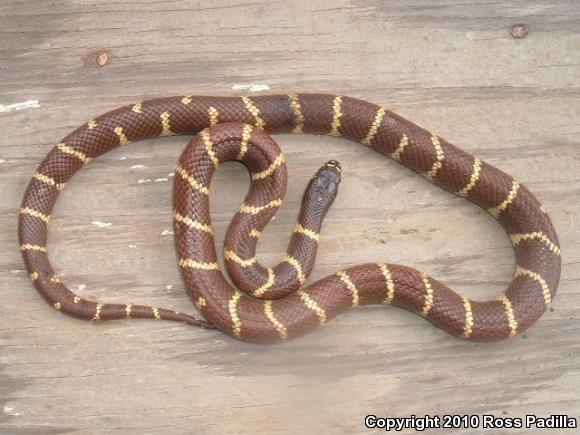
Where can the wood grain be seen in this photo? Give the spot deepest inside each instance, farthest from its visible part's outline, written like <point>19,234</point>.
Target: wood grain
<point>452,66</point>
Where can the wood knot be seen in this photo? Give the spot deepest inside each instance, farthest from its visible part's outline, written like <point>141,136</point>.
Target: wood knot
<point>519,31</point>
<point>98,58</point>
<point>102,58</point>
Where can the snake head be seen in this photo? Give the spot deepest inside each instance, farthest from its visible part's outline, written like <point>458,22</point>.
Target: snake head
<point>323,187</point>
<point>328,176</point>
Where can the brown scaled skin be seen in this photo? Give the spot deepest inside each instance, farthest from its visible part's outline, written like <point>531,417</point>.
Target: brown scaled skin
<point>250,318</point>
<point>244,231</point>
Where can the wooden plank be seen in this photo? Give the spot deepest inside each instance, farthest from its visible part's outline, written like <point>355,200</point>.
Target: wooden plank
<point>453,67</point>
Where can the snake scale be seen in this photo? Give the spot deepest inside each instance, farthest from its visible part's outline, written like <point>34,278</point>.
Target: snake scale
<point>270,304</point>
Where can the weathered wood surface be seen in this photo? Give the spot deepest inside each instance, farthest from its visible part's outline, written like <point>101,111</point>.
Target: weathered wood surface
<point>452,66</point>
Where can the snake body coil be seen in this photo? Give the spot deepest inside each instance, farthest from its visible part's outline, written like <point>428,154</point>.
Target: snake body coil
<point>270,305</point>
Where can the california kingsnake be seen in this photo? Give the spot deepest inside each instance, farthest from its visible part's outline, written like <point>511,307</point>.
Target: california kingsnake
<point>272,306</point>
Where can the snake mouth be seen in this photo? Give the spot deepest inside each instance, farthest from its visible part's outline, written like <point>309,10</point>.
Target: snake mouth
<point>333,164</point>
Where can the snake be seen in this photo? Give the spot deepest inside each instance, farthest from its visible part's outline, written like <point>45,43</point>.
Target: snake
<point>272,304</point>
